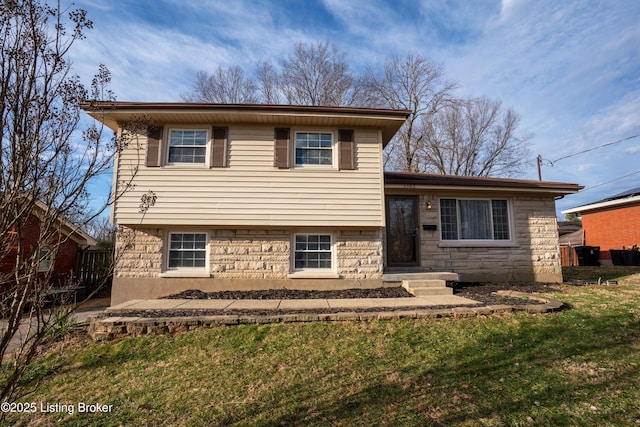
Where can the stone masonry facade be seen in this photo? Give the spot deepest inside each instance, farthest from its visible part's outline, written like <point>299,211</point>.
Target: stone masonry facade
<point>533,254</point>
<point>138,252</point>
<point>248,253</point>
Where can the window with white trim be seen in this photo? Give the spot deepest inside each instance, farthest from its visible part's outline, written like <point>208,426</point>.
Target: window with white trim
<point>312,251</point>
<point>314,148</point>
<point>188,146</point>
<point>474,219</point>
<point>187,250</point>
<point>46,259</point>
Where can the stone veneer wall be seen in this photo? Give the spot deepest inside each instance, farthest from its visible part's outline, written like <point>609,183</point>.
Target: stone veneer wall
<point>248,254</point>
<point>138,252</point>
<point>534,255</point>
<point>360,254</point>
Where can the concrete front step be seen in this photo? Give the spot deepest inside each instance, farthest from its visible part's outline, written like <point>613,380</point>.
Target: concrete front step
<point>423,292</point>
<point>433,275</point>
<point>424,283</point>
<point>425,287</point>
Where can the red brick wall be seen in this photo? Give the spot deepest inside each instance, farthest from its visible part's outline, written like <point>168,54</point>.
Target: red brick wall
<point>612,229</point>
<point>65,261</point>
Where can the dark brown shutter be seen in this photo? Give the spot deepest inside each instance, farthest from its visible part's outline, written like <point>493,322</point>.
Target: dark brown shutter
<point>154,144</point>
<point>347,149</point>
<point>281,151</point>
<point>219,149</point>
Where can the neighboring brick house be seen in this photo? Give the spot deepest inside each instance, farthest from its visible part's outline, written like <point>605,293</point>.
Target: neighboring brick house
<point>68,242</point>
<point>268,196</point>
<point>611,223</point>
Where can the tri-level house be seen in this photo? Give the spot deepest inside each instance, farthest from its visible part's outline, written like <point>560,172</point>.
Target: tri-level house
<point>223,197</point>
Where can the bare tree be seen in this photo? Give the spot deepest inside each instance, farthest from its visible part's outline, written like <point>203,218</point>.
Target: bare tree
<point>412,83</point>
<point>473,137</point>
<point>317,75</point>
<point>314,74</point>
<point>101,229</point>
<point>269,82</point>
<point>223,86</point>
<point>45,167</point>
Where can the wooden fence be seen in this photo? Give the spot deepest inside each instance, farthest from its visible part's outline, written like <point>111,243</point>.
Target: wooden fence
<point>568,256</point>
<point>94,270</point>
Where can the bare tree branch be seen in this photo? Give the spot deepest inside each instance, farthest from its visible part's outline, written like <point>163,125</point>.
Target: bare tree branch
<point>474,137</point>
<point>224,86</point>
<point>317,75</point>
<point>411,83</point>
<point>46,164</point>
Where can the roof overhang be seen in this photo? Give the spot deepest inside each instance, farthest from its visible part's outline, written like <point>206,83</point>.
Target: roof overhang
<point>112,114</point>
<point>634,200</point>
<point>459,183</point>
<point>67,228</point>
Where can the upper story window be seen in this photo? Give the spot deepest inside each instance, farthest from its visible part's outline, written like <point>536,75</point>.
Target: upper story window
<point>188,146</point>
<point>474,219</point>
<point>314,148</point>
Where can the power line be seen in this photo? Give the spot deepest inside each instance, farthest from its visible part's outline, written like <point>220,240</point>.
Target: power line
<point>609,182</point>
<point>594,148</point>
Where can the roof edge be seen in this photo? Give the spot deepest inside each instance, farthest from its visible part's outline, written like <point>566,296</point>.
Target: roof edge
<point>604,204</point>
<point>474,181</point>
<point>125,105</point>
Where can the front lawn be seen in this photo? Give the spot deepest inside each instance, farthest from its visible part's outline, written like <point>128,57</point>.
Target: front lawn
<point>577,367</point>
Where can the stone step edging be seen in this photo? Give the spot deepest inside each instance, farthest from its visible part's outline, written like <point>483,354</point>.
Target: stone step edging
<point>112,327</point>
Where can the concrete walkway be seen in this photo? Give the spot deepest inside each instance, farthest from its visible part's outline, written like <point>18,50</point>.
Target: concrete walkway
<point>180,315</point>
<point>84,313</point>
<point>288,304</point>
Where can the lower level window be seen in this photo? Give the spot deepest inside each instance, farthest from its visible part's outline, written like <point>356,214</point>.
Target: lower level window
<point>187,250</point>
<point>46,259</point>
<point>312,251</point>
<point>474,219</point>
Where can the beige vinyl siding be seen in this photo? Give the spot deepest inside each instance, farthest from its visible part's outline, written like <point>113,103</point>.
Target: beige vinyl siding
<point>250,191</point>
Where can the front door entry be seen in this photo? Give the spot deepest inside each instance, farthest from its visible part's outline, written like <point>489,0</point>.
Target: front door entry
<point>403,237</point>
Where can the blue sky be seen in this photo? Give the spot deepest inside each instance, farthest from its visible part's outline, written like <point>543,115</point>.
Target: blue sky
<point>570,68</point>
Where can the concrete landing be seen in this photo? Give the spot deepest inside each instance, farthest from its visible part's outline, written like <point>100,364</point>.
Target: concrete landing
<point>424,275</point>
<point>287,304</point>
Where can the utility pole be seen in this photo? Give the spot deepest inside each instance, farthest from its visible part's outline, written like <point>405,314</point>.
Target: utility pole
<point>539,167</point>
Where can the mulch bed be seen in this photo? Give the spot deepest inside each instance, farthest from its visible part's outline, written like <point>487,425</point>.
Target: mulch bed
<point>481,292</point>
<point>484,292</point>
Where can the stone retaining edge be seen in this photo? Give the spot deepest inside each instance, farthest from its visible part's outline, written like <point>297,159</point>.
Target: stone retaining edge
<point>113,327</point>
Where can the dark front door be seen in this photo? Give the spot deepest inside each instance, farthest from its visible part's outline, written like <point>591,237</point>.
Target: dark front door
<point>402,231</point>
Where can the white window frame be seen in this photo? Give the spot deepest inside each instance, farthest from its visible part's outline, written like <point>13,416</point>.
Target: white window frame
<point>309,273</point>
<point>185,271</point>
<point>46,260</point>
<point>477,242</point>
<point>207,147</point>
<point>315,131</point>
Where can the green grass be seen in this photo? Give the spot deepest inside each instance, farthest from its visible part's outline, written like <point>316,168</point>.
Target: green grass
<point>578,367</point>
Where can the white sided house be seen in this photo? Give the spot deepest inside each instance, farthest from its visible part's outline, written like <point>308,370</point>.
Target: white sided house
<point>237,197</point>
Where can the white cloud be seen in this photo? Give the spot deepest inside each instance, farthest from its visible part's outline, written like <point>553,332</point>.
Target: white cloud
<point>633,150</point>
<point>507,8</point>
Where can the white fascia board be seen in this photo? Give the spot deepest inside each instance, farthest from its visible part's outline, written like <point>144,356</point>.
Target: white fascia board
<point>609,203</point>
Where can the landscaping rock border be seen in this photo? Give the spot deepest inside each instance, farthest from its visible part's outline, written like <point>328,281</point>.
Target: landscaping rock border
<point>112,327</point>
